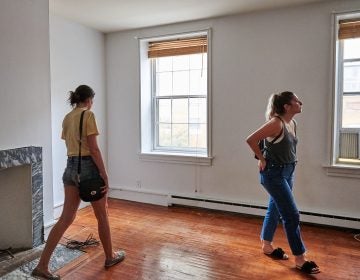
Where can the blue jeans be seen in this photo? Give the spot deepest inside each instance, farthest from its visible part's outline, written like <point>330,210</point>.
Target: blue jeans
<point>278,180</point>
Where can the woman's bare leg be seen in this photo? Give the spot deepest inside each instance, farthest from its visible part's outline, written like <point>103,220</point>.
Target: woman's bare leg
<point>101,213</point>
<point>71,204</point>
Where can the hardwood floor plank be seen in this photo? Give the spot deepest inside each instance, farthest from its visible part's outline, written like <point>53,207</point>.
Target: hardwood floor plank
<point>181,243</point>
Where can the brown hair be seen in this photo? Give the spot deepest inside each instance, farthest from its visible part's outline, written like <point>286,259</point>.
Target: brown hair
<point>276,103</point>
<point>80,94</point>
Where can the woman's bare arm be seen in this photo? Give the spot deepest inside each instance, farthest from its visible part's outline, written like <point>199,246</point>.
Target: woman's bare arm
<point>269,129</point>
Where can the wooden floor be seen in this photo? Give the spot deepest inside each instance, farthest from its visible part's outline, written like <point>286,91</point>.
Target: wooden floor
<point>181,243</point>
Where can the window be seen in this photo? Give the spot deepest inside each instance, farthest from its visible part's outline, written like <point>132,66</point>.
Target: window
<point>175,98</point>
<point>347,91</point>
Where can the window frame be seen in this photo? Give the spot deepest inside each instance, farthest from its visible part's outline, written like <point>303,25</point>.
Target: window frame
<point>148,150</point>
<point>338,167</point>
<point>155,106</point>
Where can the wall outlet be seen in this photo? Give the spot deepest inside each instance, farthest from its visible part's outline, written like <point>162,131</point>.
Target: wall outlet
<point>138,184</point>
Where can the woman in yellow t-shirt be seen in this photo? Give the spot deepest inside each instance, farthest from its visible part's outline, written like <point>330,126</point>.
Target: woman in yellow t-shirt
<point>92,163</point>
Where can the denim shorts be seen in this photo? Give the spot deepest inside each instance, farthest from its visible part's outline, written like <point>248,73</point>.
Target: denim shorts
<point>89,170</point>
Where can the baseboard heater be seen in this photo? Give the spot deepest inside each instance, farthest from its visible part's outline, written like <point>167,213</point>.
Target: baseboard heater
<point>219,202</point>
<point>227,203</point>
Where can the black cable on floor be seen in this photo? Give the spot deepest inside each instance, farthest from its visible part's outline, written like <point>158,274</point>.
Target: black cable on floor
<point>357,236</point>
<point>75,244</point>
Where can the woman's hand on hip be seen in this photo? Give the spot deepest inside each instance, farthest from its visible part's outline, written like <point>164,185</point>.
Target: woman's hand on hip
<point>262,164</point>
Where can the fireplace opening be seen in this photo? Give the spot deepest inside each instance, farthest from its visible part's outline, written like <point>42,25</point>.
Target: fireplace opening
<point>16,219</point>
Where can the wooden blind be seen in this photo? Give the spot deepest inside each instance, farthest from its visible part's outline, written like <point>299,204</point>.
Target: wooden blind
<point>177,47</point>
<point>349,28</point>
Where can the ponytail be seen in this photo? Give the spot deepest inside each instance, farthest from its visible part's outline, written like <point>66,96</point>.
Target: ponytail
<point>276,104</point>
<point>270,107</point>
<point>80,94</point>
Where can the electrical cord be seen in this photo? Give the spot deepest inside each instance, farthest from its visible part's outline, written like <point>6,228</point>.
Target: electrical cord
<point>75,244</point>
<point>357,236</point>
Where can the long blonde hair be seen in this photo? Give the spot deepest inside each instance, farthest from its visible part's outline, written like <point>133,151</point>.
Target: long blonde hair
<point>276,104</point>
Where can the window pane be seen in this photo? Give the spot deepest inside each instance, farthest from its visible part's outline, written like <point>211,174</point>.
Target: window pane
<point>198,82</point>
<point>178,119</point>
<point>180,110</point>
<point>197,108</point>
<point>352,48</point>
<point>180,62</point>
<point>164,135</point>
<point>351,111</point>
<point>197,136</point>
<point>352,76</point>
<point>163,83</point>
<point>181,83</point>
<point>180,136</point>
<point>198,61</point>
<point>164,111</point>
<point>164,64</point>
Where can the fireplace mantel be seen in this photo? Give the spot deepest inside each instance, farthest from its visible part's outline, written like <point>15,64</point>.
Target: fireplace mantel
<point>29,156</point>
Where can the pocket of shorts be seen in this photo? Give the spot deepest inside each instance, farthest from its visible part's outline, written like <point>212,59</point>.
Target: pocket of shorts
<point>67,174</point>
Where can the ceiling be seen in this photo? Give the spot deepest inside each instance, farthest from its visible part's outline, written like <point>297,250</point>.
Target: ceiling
<point>116,15</point>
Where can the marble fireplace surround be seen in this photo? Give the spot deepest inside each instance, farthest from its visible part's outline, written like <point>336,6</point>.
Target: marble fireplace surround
<point>31,156</point>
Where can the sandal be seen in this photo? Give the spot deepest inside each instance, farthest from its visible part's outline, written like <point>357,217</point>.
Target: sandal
<point>278,254</point>
<point>44,275</point>
<point>119,256</point>
<point>309,267</point>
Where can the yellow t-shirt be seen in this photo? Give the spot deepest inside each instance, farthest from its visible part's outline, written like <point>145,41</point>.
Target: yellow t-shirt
<point>71,134</point>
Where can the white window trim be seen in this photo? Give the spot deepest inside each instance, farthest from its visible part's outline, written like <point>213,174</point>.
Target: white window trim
<point>176,158</point>
<point>334,168</point>
<point>338,170</point>
<point>147,153</point>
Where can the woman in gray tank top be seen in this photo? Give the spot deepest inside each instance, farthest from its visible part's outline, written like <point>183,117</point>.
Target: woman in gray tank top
<point>276,162</point>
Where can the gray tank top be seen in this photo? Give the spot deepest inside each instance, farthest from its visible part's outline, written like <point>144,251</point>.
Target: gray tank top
<point>283,151</point>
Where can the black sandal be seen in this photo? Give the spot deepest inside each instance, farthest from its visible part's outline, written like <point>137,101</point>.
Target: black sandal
<point>309,267</point>
<point>278,254</point>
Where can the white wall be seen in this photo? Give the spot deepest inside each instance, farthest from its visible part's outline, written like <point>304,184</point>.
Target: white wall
<point>77,57</point>
<point>25,118</point>
<point>253,55</point>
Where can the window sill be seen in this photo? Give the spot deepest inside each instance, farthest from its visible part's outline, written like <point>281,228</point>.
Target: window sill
<point>176,158</point>
<point>343,170</point>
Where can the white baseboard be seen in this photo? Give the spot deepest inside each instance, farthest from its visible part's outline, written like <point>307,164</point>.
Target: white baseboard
<point>308,217</point>
<point>218,206</point>
<point>163,199</point>
<point>57,213</point>
<point>58,210</point>
<point>59,207</point>
<point>145,196</point>
<point>47,228</point>
<point>330,221</point>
